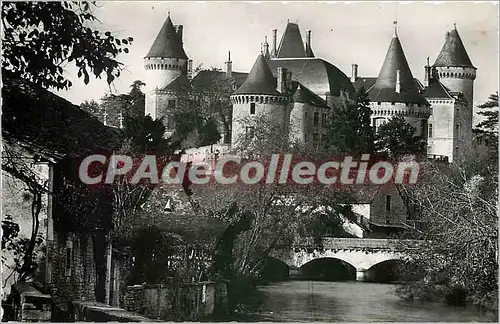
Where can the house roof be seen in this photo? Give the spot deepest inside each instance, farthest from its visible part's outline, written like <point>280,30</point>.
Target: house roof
<point>303,95</point>
<point>167,43</point>
<point>436,90</point>
<point>179,84</point>
<point>260,80</point>
<point>453,52</point>
<point>291,44</point>
<point>319,76</point>
<point>211,80</point>
<point>384,89</point>
<point>54,127</point>
<point>364,82</point>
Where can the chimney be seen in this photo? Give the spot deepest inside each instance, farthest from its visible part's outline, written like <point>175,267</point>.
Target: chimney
<point>266,49</point>
<point>229,65</point>
<point>308,38</point>
<point>354,74</point>
<point>178,29</point>
<point>274,50</point>
<point>281,82</point>
<point>428,76</point>
<point>398,82</point>
<point>190,68</point>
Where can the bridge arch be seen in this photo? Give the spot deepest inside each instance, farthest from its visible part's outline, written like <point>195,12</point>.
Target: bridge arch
<point>274,269</point>
<point>328,269</point>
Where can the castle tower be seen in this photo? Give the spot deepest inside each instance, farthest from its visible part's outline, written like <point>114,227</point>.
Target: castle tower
<point>395,92</point>
<point>454,67</point>
<point>258,96</point>
<point>450,91</point>
<point>165,62</point>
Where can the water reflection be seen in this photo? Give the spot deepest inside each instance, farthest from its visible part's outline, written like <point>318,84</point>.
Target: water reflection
<point>350,302</point>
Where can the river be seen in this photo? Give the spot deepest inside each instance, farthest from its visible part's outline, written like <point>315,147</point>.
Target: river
<point>307,301</point>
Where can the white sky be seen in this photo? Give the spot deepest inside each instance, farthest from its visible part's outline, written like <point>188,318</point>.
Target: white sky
<point>341,34</point>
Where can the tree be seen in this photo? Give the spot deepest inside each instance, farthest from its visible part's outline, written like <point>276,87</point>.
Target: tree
<point>397,138</point>
<point>459,248</point>
<point>41,37</point>
<point>487,131</point>
<point>20,167</point>
<point>350,129</point>
<point>201,105</point>
<point>93,108</point>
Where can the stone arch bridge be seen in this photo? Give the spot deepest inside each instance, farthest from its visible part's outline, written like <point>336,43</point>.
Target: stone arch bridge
<point>362,254</point>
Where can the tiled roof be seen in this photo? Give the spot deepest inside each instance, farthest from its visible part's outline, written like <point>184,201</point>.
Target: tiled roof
<point>291,44</point>
<point>167,44</point>
<point>303,95</point>
<point>365,82</point>
<point>260,80</point>
<point>453,52</point>
<point>384,89</point>
<point>51,125</point>
<point>207,79</point>
<point>436,90</point>
<point>179,84</point>
<point>316,74</point>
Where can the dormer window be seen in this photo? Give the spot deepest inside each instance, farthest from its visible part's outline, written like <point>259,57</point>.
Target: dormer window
<point>393,103</point>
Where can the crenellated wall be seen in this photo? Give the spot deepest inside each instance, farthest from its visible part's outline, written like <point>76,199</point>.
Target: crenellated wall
<point>415,115</point>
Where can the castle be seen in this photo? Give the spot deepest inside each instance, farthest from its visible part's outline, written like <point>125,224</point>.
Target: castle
<point>288,83</point>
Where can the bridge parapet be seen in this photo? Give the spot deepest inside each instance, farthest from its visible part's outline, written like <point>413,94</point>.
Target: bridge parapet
<point>333,243</point>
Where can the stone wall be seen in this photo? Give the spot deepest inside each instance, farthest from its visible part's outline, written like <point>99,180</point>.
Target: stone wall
<point>190,302</point>
<point>73,271</point>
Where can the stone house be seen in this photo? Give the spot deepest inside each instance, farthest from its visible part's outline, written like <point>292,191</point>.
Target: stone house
<point>57,133</point>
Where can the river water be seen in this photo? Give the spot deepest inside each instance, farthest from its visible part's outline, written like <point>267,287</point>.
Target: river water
<point>306,301</point>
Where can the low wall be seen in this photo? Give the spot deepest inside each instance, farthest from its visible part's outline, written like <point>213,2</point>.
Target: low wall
<point>97,312</point>
<point>187,302</point>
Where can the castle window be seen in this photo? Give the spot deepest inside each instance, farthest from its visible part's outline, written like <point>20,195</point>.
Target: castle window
<point>305,138</point>
<point>424,128</point>
<point>393,103</point>
<point>430,110</point>
<point>249,132</point>
<point>170,123</point>
<point>430,130</point>
<point>323,141</point>
<point>252,108</point>
<point>316,118</point>
<point>388,203</point>
<point>378,103</point>
<point>323,120</point>
<point>69,256</point>
<point>171,104</point>
<point>305,114</point>
<point>457,127</point>
<point>315,139</point>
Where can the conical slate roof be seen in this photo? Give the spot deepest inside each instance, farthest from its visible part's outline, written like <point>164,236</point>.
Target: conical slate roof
<point>291,45</point>
<point>167,44</point>
<point>384,89</point>
<point>453,52</point>
<point>260,80</point>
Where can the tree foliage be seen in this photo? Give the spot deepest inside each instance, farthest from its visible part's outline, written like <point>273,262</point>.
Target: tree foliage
<point>487,131</point>
<point>459,247</point>
<point>350,130</point>
<point>41,37</point>
<point>397,138</point>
